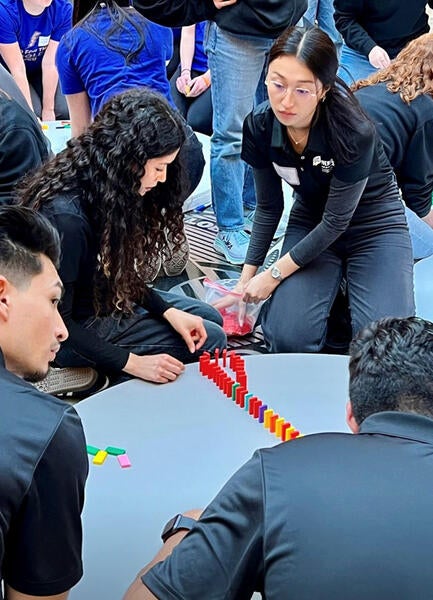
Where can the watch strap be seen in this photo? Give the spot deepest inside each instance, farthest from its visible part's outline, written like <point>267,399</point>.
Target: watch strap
<point>177,523</point>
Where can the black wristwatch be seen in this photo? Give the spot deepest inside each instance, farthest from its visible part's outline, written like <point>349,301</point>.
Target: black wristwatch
<point>175,524</point>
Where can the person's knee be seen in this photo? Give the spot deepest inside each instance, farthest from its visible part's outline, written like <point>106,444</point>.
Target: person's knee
<point>216,337</point>
<point>291,335</point>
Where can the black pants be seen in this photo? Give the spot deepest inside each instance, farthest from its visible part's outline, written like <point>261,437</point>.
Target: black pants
<point>378,267</point>
<point>36,92</point>
<point>198,110</point>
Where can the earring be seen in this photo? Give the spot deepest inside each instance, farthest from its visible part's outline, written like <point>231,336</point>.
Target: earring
<point>323,99</point>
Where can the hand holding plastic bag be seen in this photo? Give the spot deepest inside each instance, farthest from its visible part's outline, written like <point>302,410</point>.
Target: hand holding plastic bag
<point>239,317</point>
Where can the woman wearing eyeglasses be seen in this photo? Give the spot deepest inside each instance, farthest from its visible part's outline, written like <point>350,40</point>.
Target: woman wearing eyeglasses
<point>347,220</point>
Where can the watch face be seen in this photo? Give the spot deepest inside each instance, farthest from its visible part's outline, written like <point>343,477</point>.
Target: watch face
<point>276,273</point>
<point>169,525</point>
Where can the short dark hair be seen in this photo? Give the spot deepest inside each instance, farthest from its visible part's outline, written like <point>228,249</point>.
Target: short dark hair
<point>24,236</point>
<point>391,368</point>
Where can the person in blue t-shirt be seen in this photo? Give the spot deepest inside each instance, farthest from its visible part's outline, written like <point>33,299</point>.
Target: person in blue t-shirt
<point>190,84</point>
<point>110,50</point>
<point>30,31</point>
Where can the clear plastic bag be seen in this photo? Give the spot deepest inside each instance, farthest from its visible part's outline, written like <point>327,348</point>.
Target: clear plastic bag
<point>240,317</point>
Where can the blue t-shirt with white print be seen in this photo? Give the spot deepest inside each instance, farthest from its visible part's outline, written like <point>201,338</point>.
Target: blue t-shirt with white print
<point>33,32</point>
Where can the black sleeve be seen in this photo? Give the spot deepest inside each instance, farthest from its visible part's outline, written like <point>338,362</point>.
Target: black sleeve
<point>176,13</point>
<point>154,303</point>
<point>75,235</point>
<point>21,151</point>
<point>269,208</point>
<point>347,16</point>
<point>100,353</point>
<point>342,201</point>
<point>255,142</point>
<point>224,551</point>
<point>415,175</point>
<point>44,554</point>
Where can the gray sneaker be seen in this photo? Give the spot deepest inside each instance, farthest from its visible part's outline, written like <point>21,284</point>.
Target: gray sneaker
<point>233,245</point>
<point>174,263</point>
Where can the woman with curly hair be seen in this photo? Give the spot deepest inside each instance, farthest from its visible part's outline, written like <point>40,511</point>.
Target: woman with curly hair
<point>111,194</point>
<point>399,99</point>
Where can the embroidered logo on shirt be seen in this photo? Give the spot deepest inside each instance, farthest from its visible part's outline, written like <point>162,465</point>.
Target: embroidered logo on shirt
<point>327,165</point>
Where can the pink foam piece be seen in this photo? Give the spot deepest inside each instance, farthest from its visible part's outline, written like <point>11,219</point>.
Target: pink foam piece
<point>124,461</point>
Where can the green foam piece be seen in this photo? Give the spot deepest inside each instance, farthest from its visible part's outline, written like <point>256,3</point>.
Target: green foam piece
<point>115,451</point>
<point>92,450</point>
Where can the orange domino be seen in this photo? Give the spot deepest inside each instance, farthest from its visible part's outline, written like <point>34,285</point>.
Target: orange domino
<point>267,418</point>
<point>272,422</point>
<point>100,457</point>
<point>278,426</point>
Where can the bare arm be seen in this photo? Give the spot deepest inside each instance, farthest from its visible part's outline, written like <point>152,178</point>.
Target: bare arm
<point>186,52</point>
<point>79,112</point>
<point>12,56</point>
<point>12,594</point>
<point>137,590</point>
<point>50,79</point>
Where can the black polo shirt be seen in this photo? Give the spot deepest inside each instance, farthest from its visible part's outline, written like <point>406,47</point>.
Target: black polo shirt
<point>43,469</point>
<point>331,515</point>
<point>406,131</point>
<point>330,194</point>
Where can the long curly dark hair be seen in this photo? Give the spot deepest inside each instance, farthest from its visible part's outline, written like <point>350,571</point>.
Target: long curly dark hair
<point>105,165</point>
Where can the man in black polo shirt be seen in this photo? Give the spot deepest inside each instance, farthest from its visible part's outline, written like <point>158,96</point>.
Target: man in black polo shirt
<point>332,515</point>
<point>43,461</point>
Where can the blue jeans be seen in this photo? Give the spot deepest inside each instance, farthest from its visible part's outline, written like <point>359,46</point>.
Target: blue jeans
<point>142,333</point>
<point>353,65</point>
<point>421,235</point>
<point>237,65</point>
<point>322,11</point>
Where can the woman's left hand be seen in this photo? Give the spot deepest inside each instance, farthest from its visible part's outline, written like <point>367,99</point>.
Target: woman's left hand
<point>198,86</point>
<point>190,327</point>
<point>259,287</point>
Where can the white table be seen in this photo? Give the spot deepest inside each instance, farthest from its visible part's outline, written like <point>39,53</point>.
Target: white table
<point>184,440</point>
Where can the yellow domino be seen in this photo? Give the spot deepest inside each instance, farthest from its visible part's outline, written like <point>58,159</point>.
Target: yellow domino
<point>267,417</point>
<point>278,425</point>
<point>100,457</point>
<point>288,432</point>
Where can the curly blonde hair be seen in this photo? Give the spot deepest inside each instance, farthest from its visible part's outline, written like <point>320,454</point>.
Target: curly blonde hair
<point>410,74</point>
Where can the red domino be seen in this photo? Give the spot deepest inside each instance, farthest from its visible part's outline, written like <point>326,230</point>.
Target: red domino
<point>257,406</point>
<point>294,434</point>
<point>272,422</point>
<point>231,358</point>
<point>217,354</point>
<point>242,379</point>
<point>251,405</point>
<point>242,395</point>
<point>239,390</point>
<point>284,428</point>
<point>225,357</point>
<point>228,388</point>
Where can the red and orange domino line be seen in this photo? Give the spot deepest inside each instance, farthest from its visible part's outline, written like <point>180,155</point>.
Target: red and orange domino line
<point>237,389</point>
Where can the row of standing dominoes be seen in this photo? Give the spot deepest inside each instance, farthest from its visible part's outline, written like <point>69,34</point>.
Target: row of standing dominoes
<point>236,388</point>
<point>99,455</point>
